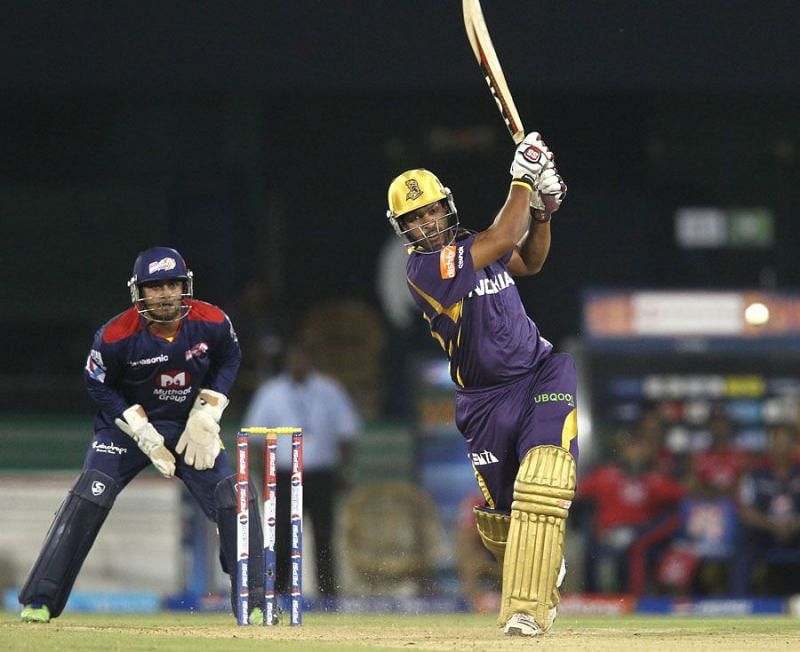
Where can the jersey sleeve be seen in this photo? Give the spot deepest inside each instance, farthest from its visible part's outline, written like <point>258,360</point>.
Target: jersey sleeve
<point>444,277</point>
<point>226,360</point>
<point>101,375</point>
<point>666,491</point>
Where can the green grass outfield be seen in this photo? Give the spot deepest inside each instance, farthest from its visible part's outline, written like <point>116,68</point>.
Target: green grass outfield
<point>333,632</point>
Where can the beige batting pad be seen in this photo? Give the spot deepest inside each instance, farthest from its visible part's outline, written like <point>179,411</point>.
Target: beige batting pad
<point>543,493</point>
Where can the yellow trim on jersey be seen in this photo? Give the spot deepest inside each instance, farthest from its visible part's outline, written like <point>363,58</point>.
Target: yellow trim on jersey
<point>570,429</point>
<point>453,312</point>
<point>434,334</point>
<point>484,489</point>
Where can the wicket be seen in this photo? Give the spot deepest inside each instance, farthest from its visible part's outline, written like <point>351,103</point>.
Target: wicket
<point>269,522</point>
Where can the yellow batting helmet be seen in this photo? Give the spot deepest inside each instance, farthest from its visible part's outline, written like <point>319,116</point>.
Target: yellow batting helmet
<point>412,190</point>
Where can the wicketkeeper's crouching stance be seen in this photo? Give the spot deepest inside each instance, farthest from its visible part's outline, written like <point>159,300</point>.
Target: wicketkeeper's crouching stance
<point>160,373</point>
<point>515,397</point>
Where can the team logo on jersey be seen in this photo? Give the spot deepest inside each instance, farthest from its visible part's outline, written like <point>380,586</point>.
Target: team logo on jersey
<point>173,386</point>
<point>414,190</point>
<point>169,379</point>
<point>163,265</point>
<point>483,458</point>
<point>108,449</point>
<point>555,397</point>
<point>493,285</point>
<point>95,369</point>
<point>447,262</point>
<point>163,357</point>
<point>197,351</point>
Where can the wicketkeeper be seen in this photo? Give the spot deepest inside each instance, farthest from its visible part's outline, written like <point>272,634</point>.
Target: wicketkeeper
<point>160,373</point>
<point>515,402</point>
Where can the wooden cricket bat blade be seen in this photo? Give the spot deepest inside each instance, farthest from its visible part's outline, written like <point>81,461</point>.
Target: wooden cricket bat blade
<point>481,43</point>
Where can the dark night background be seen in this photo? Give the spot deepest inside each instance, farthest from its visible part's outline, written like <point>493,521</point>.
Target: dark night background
<point>259,138</point>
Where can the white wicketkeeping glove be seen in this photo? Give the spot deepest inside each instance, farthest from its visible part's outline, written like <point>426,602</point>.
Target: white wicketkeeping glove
<point>200,439</point>
<point>530,159</point>
<point>135,424</point>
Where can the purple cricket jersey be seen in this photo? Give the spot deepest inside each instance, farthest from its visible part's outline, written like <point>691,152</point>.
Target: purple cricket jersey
<point>477,316</point>
<point>513,393</point>
<point>128,364</point>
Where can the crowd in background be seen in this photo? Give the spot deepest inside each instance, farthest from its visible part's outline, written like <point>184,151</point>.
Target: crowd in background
<point>716,519</point>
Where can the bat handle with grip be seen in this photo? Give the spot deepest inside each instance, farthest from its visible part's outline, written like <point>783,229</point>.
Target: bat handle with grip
<point>550,204</point>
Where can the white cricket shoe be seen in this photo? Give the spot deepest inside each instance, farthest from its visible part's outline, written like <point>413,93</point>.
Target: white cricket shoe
<point>521,624</point>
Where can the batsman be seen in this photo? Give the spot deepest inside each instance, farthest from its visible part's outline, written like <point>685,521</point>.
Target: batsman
<point>515,397</point>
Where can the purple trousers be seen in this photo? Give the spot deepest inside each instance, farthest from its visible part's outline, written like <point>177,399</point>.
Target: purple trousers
<point>501,424</point>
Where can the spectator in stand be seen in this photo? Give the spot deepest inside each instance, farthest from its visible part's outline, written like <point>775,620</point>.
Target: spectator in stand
<point>630,497</point>
<point>769,514</point>
<point>715,471</point>
<point>698,559</point>
<point>650,427</point>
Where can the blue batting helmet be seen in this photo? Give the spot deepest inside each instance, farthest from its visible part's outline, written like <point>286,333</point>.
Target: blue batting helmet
<point>159,264</point>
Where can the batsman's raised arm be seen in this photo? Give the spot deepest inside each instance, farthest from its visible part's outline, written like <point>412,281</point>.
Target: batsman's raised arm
<point>521,224</point>
<point>546,199</point>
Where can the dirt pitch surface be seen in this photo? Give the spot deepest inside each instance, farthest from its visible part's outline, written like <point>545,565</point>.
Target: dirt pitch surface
<point>331,632</point>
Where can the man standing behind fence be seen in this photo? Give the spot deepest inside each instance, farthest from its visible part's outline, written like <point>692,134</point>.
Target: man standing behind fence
<point>303,397</point>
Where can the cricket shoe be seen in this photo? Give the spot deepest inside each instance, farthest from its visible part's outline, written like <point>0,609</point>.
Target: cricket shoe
<point>256,616</point>
<point>277,615</point>
<point>522,624</point>
<point>33,613</point>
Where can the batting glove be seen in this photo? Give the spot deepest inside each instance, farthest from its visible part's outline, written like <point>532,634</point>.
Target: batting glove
<point>551,188</point>
<point>530,159</point>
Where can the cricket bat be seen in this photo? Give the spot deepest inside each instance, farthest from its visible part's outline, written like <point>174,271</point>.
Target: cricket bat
<point>481,42</point>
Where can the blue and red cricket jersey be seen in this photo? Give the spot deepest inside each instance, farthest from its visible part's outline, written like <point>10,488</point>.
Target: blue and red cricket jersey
<point>129,364</point>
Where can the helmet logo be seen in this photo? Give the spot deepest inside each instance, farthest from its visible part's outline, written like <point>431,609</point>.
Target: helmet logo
<point>414,190</point>
<point>163,265</point>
